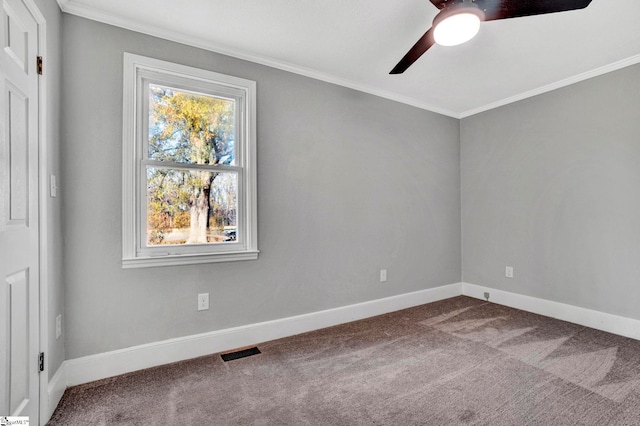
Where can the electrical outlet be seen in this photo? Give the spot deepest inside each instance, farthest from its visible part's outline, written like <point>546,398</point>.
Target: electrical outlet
<point>203,301</point>
<point>58,326</point>
<point>508,272</point>
<point>383,275</point>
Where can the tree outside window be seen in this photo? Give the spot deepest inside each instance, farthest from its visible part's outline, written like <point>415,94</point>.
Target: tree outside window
<point>189,172</point>
<point>190,206</point>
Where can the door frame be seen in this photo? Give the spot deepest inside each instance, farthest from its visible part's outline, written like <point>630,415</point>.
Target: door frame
<point>43,211</point>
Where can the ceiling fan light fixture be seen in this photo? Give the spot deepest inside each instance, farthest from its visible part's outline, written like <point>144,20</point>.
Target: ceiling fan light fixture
<point>457,24</point>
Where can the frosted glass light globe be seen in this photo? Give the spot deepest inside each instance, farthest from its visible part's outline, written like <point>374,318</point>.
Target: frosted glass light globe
<point>456,29</point>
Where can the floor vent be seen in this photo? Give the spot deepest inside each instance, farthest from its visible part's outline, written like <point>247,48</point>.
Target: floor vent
<point>240,354</point>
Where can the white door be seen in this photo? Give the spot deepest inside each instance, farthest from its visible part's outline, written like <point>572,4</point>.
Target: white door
<point>19,234</point>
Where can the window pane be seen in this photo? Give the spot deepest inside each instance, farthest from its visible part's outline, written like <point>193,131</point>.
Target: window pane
<point>188,127</point>
<point>191,207</point>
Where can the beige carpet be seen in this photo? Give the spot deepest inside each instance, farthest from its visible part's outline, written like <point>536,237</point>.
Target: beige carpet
<point>458,361</point>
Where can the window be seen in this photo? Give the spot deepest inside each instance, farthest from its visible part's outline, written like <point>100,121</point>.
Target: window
<point>189,165</point>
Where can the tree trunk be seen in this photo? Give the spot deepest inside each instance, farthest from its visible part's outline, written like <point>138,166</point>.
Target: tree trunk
<point>199,209</point>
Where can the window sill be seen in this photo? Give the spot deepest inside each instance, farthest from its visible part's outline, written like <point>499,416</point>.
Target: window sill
<point>187,259</point>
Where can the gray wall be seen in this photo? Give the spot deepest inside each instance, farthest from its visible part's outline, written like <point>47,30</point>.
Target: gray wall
<point>53,251</point>
<point>551,186</point>
<point>349,183</point>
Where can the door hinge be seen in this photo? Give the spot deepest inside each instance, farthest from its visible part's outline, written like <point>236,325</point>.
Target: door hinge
<point>41,361</point>
<point>39,64</point>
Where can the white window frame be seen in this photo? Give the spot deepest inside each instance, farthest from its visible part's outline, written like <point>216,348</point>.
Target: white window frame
<point>139,71</point>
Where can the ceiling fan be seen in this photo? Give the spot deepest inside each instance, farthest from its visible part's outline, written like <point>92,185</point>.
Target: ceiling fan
<point>459,21</point>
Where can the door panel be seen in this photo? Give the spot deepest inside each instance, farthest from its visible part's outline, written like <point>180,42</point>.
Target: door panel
<point>18,191</point>
<point>16,37</point>
<point>19,233</point>
<point>18,350</point>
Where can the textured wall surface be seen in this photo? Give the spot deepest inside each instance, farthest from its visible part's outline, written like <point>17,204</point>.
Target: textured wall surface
<point>551,186</point>
<point>348,184</point>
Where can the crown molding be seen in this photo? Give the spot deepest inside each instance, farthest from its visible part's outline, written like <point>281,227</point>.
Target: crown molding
<point>557,85</point>
<point>68,6</point>
<point>64,4</point>
<point>72,7</point>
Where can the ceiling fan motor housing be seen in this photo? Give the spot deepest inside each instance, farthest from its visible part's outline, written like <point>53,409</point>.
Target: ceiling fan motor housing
<point>457,7</point>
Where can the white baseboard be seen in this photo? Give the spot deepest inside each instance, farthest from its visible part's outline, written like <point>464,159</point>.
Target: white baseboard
<point>55,390</point>
<point>108,364</point>
<point>610,323</point>
<point>95,367</point>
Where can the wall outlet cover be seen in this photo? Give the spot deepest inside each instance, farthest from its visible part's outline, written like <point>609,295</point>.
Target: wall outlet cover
<point>203,301</point>
<point>508,272</point>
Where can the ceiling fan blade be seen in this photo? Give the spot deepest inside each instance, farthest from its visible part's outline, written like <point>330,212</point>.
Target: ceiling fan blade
<point>440,4</point>
<point>504,9</point>
<point>493,10</point>
<point>421,46</point>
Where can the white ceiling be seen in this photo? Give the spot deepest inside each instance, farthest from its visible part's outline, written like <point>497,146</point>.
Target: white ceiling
<point>356,43</point>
